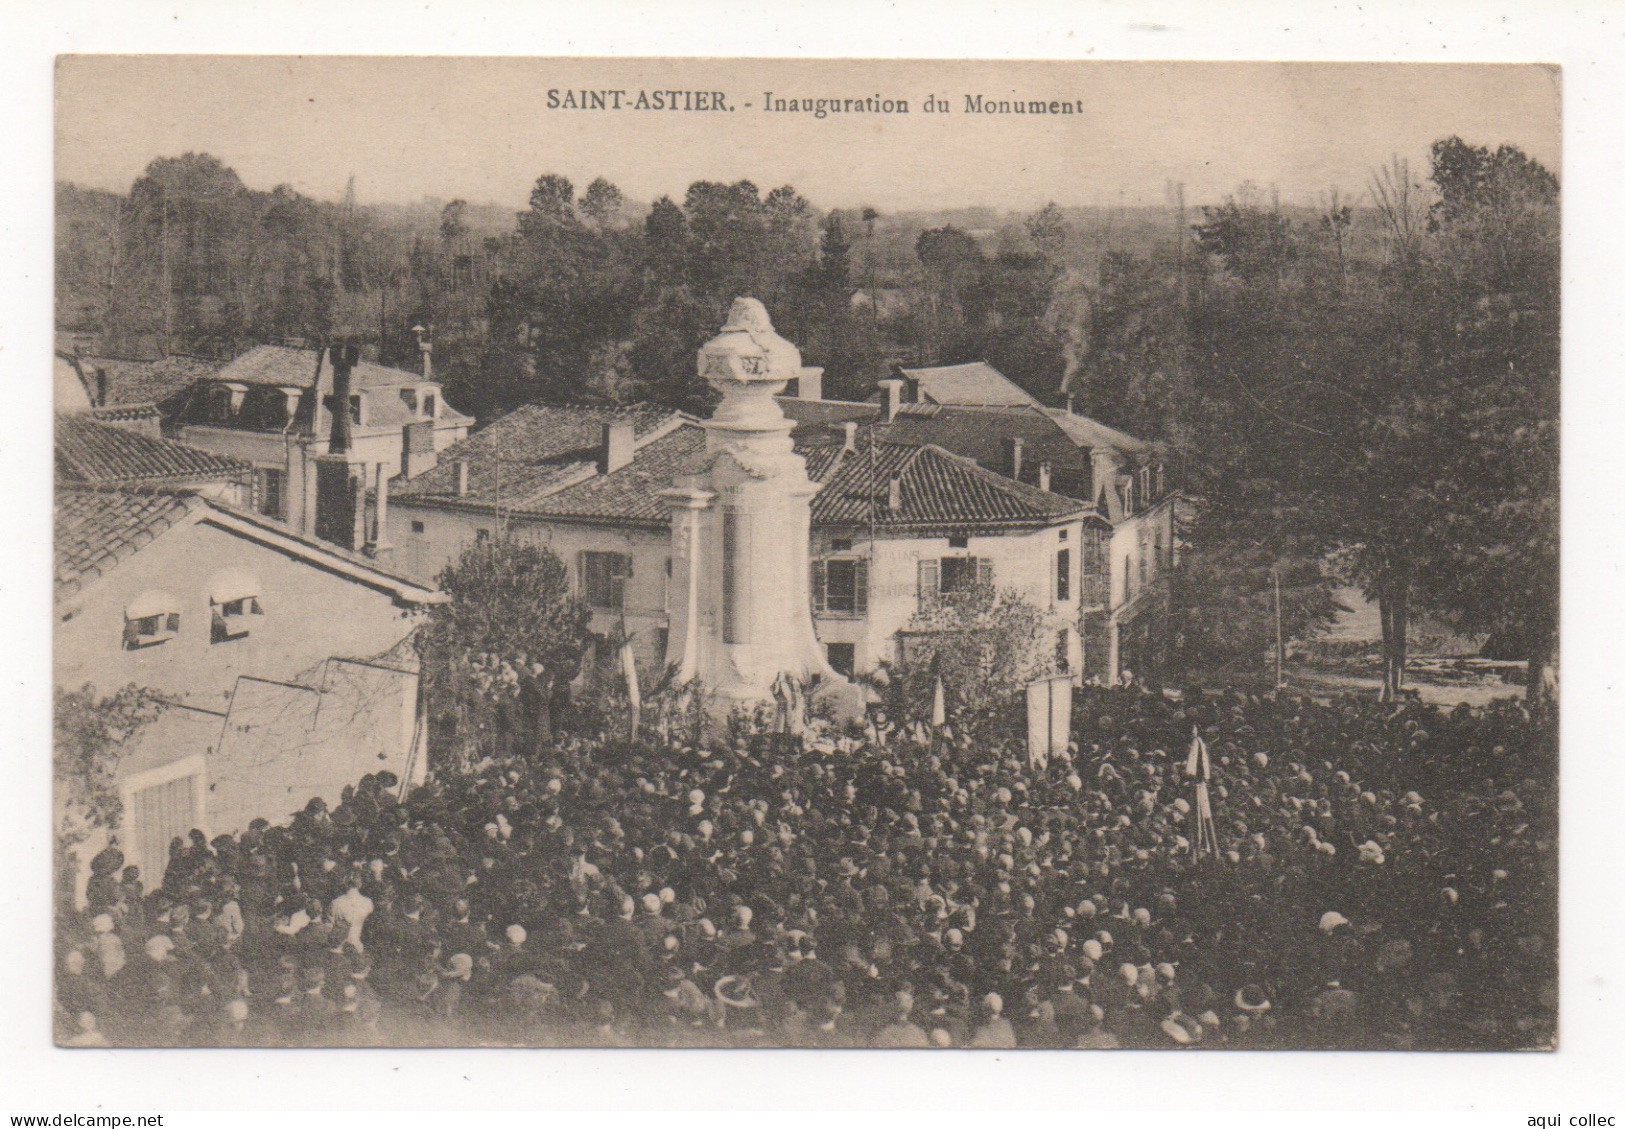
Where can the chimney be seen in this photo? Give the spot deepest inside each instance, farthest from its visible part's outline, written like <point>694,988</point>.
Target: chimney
<point>1043,476</point>
<point>343,358</point>
<point>891,396</point>
<point>378,545</point>
<point>894,495</point>
<point>417,448</point>
<point>1012,456</point>
<point>461,466</point>
<point>426,347</point>
<point>810,384</point>
<point>616,449</point>
<point>849,431</point>
<point>101,387</point>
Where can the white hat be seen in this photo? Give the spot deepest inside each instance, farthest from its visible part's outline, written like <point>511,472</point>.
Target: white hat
<point>667,895</point>
<point>994,1002</point>
<point>1330,920</point>
<point>1092,949</point>
<point>1129,973</point>
<point>516,934</point>
<point>102,923</point>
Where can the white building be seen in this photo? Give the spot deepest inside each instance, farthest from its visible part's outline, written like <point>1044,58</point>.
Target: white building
<point>912,498</point>
<point>272,407</point>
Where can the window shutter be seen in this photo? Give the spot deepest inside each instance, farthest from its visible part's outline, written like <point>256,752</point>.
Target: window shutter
<point>928,581</point>
<point>626,566</point>
<point>860,587</point>
<point>818,587</point>
<point>984,571</point>
<point>581,573</point>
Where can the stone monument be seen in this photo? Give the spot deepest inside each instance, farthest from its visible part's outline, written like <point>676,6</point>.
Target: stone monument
<point>741,613</point>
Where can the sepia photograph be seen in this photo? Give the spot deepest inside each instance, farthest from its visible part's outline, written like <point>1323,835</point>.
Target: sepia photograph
<point>805,553</point>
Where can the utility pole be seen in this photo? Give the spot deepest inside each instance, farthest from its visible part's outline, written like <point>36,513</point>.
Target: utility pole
<point>169,295</point>
<point>1280,649</point>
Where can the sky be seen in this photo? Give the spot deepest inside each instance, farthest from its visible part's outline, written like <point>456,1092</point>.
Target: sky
<point>482,128</point>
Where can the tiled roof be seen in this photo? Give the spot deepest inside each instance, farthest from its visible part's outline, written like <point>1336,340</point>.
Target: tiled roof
<point>147,382</point>
<point>69,387</point>
<point>286,366</point>
<point>1086,432</point>
<point>527,454</point>
<point>95,530</point>
<point>633,492</point>
<point>975,383</point>
<point>549,470</point>
<point>935,488</point>
<point>89,452</point>
<point>973,433</point>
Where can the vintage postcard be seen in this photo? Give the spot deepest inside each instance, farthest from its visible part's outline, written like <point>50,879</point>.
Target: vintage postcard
<point>759,553</point>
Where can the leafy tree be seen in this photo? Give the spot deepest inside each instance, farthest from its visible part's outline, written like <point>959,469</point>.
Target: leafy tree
<point>986,645</point>
<point>602,204</point>
<point>497,659</point>
<point>89,735</point>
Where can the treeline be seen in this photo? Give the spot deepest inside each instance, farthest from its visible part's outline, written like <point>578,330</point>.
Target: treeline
<point>1369,396</point>
<point>583,295</point>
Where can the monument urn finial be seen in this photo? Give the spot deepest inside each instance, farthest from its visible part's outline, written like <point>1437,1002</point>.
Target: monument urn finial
<point>748,351</point>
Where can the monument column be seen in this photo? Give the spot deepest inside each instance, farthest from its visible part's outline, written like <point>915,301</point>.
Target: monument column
<point>741,616</point>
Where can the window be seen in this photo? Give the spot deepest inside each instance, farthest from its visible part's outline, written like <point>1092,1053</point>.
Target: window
<point>268,492</point>
<point>959,542</point>
<point>409,397</point>
<point>1063,575</point>
<point>151,618</point>
<point>840,545</point>
<point>428,406</point>
<point>840,586</point>
<point>1128,579</point>
<point>1142,570</point>
<point>231,619</point>
<point>1063,535</point>
<point>482,535</point>
<point>603,579</point>
<point>1063,647</point>
<point>958,573</point>
<point>220,404</point>
<point>843,657</point>
<point>234,601</point>
<point>941,576</point>
<point>417,527</point>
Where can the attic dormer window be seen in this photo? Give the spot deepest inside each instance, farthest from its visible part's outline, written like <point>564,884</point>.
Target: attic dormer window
<point>150,619</point>
<point>428,405</point>
<point>225,401</point>
<point>409,397</point>
<point>234,601</point>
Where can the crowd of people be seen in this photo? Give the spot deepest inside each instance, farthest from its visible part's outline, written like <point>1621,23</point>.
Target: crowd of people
<point>1384,877</point>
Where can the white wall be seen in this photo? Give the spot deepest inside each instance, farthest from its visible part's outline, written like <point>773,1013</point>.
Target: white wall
<point>309,615</point>
<point>1023,561</point>
<point>447,532</point>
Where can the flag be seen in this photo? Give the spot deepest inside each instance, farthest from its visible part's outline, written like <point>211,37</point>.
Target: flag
<point>629,668</point>
<point>1198,765</point>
